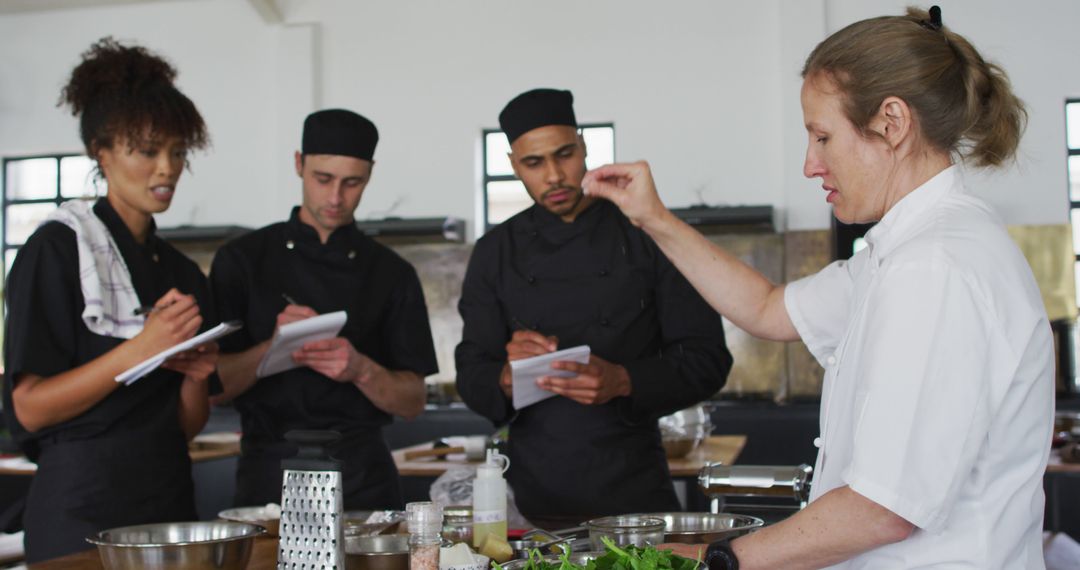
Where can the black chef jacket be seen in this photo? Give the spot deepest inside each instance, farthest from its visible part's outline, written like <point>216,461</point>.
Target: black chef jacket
<point>602,282</point>
<point>387,321</point>
<point>124,461</point>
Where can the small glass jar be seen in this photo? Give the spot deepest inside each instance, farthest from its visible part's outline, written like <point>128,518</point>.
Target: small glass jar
<point>458,524</point>
<point>425,524</point>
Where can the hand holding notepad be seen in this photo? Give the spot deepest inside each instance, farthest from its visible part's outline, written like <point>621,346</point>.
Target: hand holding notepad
<point>527,371</point>
<point>291,337</point>
<point>147,366</point>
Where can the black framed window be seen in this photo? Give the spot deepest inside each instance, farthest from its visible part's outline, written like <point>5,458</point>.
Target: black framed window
<point>505,195</point>
<point>34,186</point>
<point>1072,143</point>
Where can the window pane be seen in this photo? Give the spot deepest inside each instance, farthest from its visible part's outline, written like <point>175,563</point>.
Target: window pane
<point>31,178</point>
<point>600,143</point>
<point>76,177</point>
<point>506,198</point>
<point>1074,178</point>
<point>23,219</point>
<point>1077,272</point>
<point>1074,215</point>
<point>497,162</point>
<point>9,258</point>
<point>1072,124</point>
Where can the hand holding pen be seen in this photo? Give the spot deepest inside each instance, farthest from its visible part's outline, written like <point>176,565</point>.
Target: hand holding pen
<point>524,343</point>
<point>293,312</point>
<point>173,319</point>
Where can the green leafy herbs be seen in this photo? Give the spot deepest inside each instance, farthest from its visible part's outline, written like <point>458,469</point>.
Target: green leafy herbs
<point>616,558</point>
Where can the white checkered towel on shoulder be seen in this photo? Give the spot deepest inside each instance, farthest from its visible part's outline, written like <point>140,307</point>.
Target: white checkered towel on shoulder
<point>106,282</point>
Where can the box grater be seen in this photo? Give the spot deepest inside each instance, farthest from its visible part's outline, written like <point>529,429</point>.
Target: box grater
<point>311,512</point>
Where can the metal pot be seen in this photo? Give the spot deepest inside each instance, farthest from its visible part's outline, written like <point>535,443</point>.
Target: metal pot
<point>382,552</point>
<point>701,528</point>
<point>177,546</point>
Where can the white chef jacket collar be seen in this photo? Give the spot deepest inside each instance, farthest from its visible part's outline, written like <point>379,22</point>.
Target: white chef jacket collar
<point>908,212</point>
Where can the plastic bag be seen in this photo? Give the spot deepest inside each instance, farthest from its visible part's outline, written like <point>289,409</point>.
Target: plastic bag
<point>454,488</point>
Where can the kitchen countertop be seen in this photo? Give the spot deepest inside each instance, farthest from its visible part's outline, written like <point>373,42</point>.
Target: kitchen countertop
<point>716,449</point>
<point>214,448</point>
<point>1055,465</point>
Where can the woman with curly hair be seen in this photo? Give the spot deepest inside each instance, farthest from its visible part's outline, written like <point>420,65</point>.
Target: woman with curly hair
<point>92,293</point>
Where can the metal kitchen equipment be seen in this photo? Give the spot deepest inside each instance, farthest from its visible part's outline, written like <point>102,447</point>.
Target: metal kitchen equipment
<point>311,514</point>
<point>385,552</point>
<point>177,546</point>
<point>703,528</point>
<point>770,487</point>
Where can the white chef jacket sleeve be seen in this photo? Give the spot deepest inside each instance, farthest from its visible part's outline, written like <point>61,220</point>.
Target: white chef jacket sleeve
<point>921,408</point>
<point>818,306</point>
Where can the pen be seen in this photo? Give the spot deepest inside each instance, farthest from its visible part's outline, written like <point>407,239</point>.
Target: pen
<point>147,309</point>
<point>289,299</point>
<point>520,325</point>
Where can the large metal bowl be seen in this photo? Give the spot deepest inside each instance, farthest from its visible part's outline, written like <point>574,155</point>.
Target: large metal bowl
<point>261,516</point>
<point>701,528</point>
<point>177,546</point>
<point>388,522</point>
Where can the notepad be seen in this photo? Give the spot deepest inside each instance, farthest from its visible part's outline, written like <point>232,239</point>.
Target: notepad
<point>147,366</point>
<point>291,337</point>
<point>527,371</point>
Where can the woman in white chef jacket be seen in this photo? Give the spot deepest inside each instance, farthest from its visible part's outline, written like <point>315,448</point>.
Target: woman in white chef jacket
<point>937,404</point>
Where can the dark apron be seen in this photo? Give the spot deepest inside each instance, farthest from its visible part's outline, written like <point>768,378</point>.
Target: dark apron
<point>83,487</point>
<point>370,476</point>
<point>574,462</point>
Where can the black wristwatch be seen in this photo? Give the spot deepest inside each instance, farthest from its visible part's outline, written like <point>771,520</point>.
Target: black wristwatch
<point>720,556</point>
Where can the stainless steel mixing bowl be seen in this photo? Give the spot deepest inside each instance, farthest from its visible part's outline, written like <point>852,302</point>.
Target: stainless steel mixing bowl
<point>383,552</point>
<point>177,546</point>
<point>703,528</point>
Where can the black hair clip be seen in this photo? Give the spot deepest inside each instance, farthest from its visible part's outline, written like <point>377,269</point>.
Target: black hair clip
<point>934,23</point>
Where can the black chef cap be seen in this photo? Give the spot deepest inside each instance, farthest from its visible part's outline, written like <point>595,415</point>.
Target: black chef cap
<point>341,132</point>
<point>535,109</point>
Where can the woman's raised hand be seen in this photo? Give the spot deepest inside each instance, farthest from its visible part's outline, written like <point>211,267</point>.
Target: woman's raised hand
<point>629,186</point>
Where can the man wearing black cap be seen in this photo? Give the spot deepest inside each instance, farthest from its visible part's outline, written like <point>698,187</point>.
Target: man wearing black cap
<point>319,262</point>
<point>572,270</point>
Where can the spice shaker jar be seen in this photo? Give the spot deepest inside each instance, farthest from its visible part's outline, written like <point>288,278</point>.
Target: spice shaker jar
<point>425,523</point>
<point>458,524</point>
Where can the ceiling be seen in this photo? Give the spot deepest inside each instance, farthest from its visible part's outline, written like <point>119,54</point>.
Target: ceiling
<point>267,9</point>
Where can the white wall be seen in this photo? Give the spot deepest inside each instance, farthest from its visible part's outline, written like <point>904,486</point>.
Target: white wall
<point>225,56</point>
<point>707,91</point>
<point>1038,45</point>
<point>688,86</point>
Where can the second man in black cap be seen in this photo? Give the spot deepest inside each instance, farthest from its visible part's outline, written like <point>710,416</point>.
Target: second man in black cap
<point>319,262</point>
<point>573,270</point>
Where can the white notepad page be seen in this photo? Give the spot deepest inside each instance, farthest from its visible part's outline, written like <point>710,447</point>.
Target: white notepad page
<point>292,336</point>
<point>147,366</point>
<point>528,370</point>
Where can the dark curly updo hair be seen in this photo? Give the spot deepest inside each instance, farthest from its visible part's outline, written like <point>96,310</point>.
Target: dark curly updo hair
<point>127,93</point>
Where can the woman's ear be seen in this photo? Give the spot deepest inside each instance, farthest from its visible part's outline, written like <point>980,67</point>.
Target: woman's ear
<point>104,160</point>
<point>893,121</point>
